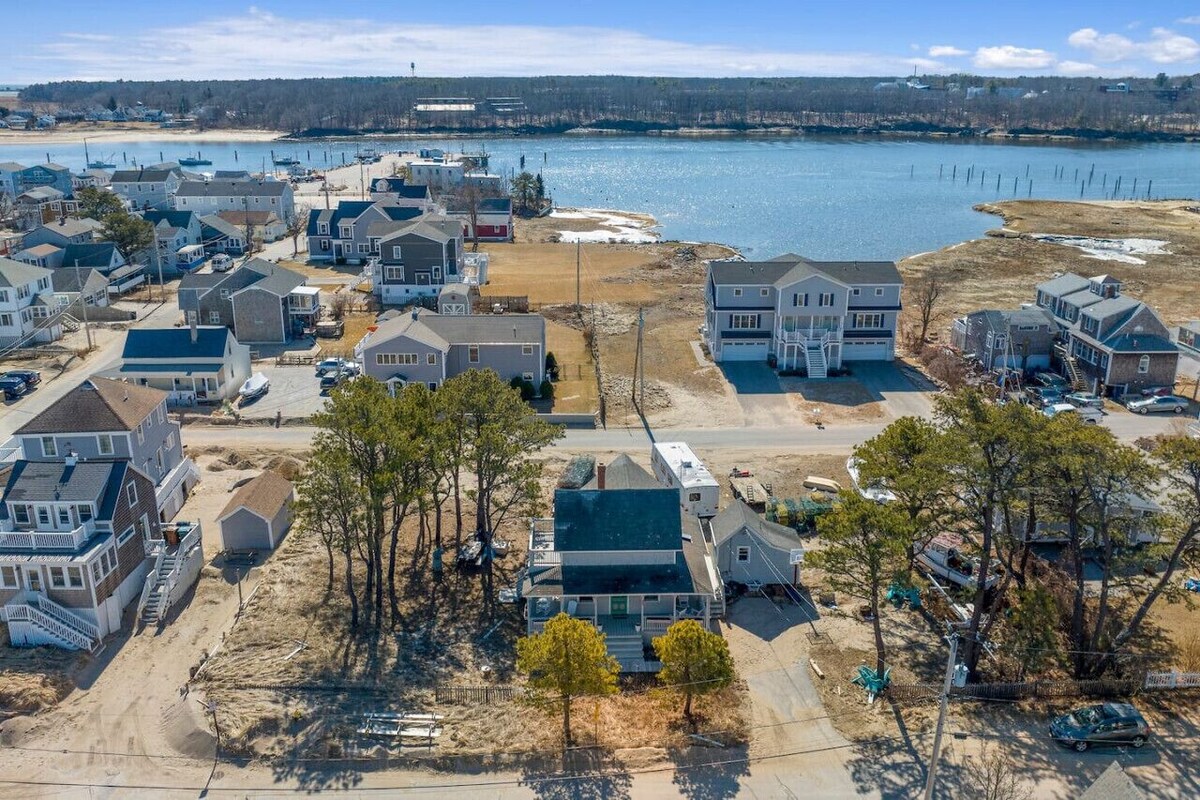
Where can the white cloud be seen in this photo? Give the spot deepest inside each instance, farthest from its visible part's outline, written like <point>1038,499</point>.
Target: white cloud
<point>1193,20</point>
<point>1163,47</point>
<point>945,51</point>
<point>261,44</point>
<point>1076,68</point>
<point>1007,57</point>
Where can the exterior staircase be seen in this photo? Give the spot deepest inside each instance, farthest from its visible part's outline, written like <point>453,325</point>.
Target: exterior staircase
<point>814,356</point>
<point>156,601</point>
<point>69,323</point>
<point>1078,384</point>
<point>173,570</point>
<point>53,621</point>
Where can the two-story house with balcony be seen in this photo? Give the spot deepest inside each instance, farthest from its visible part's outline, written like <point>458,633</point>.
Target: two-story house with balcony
<point>1109,343</point>
<point>344,234</point>
<point>260,301</point>
<point>102,419</point>
<point>81,517</point>
<point>211,197</point>
<point>802,315</point>
<point>175,231</point>
<point>423,347</point>
<point>29,314</point>
<point>615,553</point>
<point>148,187</point>
<point>416,259</point>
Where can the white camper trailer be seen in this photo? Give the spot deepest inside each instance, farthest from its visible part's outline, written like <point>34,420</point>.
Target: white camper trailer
<point>676,465</point>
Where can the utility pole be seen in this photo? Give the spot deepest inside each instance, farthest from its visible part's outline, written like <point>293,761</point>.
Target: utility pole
<point>83,305</point>
<point>162,287</point>
<point>941,723</point>
<point>638,390</point>
<point>578,306</point>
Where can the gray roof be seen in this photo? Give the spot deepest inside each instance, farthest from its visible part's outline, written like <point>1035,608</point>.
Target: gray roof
<point>789,268</point>
<point>1140,343</point>
<point>620,519</point>
<point>221,226</point>
<point>623,473</point>
<point>42,193</point>
<point>1029,316</point>
<point>201,280</point>
<point>738,515</point>
<point>143,175</point>
<point>1065,284</point>
<point>17,273</point>
<point>33,482</point>
<point>276,279</point>
<point>1112,306</point>
<point>216,188</point>
<point>438,330</point>
<point>66,281</point>
<point>90,254</point>
<point>73,226</point>
<point>1113,784</point>
<point>1082,298</point>
<point>439,229</point>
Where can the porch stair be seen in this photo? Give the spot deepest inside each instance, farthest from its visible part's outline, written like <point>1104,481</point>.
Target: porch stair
<point>625,648</point>
<point>1078,384</point>
<point>173,569</point>
<point>69,323</point>
<point>156,601</point>
<point>58,623</point>
<point>814,356</point>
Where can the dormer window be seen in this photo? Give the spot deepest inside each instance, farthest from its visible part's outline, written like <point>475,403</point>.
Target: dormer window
<point>322,229</point>
<point>49,446</point>
<point>21,514</point>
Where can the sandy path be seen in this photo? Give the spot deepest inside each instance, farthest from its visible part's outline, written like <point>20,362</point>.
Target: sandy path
<point>149,133</point>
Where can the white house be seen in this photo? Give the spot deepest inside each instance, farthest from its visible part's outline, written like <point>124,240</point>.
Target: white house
<point>28,311</point>
<point>212,197</point>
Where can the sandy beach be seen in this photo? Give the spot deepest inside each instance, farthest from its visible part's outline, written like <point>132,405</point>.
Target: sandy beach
<point>75,134</point>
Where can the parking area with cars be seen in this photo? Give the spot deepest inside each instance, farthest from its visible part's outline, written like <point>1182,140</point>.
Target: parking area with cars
<point>16,383</point>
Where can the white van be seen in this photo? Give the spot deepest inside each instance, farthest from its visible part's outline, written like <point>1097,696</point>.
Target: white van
<point>221,262</point>
<point>1089,414</point>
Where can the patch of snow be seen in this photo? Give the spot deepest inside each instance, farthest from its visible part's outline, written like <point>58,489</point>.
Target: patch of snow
<point>1124,251</point>
<point>628,235</point>
<point>614,226</point>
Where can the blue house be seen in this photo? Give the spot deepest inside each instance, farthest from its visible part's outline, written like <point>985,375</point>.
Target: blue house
<point>56,176</point>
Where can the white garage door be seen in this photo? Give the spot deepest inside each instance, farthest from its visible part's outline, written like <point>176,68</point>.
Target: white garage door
<point>867,350</point>
<point>743,351</point>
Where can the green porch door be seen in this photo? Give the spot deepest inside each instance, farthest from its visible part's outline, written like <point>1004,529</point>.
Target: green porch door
<point>618,606</point>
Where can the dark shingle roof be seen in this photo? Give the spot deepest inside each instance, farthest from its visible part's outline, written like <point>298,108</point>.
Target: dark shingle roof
<point>66,281</point>
<point>176,219</point>
<point>143,175</point>
<point>264,495</point>
<point>275,279</point>
<point>89,254</point>
<point>620,519</point>
<point>1063,285</point>
<point>175,342</point>
<point>49,481</point>
<point>216,188</point>
<point>201,280</point>
<point>1140,343</point>
<point>1113,784</point>
<point>790,268</point>
<point>623,473</point>
<point>212,226</point>
<point>738,515</point>
<point>97,404</point>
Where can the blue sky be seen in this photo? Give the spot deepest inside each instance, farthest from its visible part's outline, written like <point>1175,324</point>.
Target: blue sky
<point>138,39</point>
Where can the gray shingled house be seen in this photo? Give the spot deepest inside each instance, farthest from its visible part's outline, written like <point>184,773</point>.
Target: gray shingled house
<point>749,549</point>
<point>424,347</point>
<point>1021,339</point>
<point>262,302</point>
<point>626,559</point>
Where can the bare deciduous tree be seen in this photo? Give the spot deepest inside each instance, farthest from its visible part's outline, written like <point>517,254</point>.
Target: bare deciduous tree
<point>926,292</point>
<point>993,775</point>
<point>296,226</point>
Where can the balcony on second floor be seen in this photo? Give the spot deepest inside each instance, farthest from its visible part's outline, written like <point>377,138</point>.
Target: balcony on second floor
<point>304,300</point>
<point>37,540</point>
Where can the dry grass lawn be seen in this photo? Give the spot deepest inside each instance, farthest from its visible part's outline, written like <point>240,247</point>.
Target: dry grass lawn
<point>576,387</point>
<point>357,323</point>
<point>33,678</point>
<point>1000,271</point>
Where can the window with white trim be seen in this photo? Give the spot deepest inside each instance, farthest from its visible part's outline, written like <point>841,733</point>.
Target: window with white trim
<point>49,446</point>
<point>131,493</point>
<point>1143,365</point>
<point>744,321</point>
<point>124,536</point>
<point>8,577</point>
<point>75,577</point>
<point>737,292</point>
<point>393,273</point>
<point>170,441</point>
<point>104,444</point>
<point>58,578</point>
<point>396,252</point>
<point>693,497</point>
<point>322,229</point>
<point>364,248</point>
<point>527,376</point>
<point>879,291</point>
<point>21,514</point>
<point>84,510</point>
<point>856,291</point>
<point>64,516</point>
<point>214,317</point>
<point>800,299</point>
<point>43,515</point>
<point>347,232</point>
<point>473,354</point>
<point>764,292</point>
<point>825,299</point>
<point>868,321</point>
<point>743,554</point>
<point>431,359</point>
<point>396,359</point>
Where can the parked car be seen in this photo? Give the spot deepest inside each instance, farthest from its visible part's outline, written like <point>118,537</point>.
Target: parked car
<point>12,387</point>
<point>1106,723</point>
<point>336,378</point>
<point>31,376</point>
<point>1147,405</point>
<point>1157,391</point>
<point>1090,415</point>
<point>352,368</point>
<point>329,365</point>
<point>1045,395</point>
<point>1050,379</point>
<point>221,263</point>
<point>1084,400</point>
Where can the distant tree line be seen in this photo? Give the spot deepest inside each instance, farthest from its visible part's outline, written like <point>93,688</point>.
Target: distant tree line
<point>1163,106</point>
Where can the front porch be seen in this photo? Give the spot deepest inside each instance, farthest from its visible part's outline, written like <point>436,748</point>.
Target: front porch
<point>811,343</point>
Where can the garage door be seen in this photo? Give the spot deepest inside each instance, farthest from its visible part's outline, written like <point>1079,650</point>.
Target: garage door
<point>867,350</point>
<point>743,351</point>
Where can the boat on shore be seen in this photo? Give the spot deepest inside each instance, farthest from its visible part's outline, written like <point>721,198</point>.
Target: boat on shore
<point>945,557</point>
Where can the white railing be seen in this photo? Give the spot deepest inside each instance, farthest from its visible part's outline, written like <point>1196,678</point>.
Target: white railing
<point>48,540</point>
<point>57,621</point>
<point>159,552</point>
<point>820,335</point>
<point>1172,680</point>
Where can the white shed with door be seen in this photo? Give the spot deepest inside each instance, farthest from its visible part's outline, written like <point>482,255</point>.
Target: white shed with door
<point>258,514</point>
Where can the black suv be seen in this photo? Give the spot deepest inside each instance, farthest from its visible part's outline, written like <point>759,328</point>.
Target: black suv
<point>31,376</point>
<point>1107,723</point>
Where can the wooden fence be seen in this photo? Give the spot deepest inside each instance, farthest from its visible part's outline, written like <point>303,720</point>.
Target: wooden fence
<point>1029,690</point>
<point>468,695</point>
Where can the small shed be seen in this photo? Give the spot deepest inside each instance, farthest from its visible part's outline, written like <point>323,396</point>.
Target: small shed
<point>257,516</point>
<point>753,551</point>
<point>457,298</point>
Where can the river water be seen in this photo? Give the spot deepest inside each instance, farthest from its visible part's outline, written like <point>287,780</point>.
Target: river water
<point>824,197</point>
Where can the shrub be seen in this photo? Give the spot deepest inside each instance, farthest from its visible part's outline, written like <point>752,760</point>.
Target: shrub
<point>528,390</point>
<point>547,390</point>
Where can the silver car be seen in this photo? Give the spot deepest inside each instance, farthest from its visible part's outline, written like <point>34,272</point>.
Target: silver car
<point>1148,405</point>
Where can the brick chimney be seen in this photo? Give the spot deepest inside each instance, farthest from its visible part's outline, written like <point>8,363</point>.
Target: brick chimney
<point>600,470</point>
<point>192,325</point>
